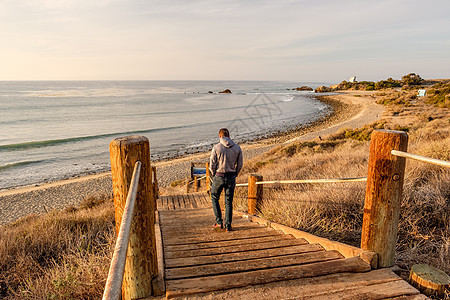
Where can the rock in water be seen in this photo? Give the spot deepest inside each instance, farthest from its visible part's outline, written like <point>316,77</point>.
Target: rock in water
<point>227,91</point>
<point>304,88</point>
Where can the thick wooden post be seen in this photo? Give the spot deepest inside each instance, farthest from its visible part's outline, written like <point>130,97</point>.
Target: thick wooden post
<point>155,183</point>
<point>255,193</point>
<point>208,178</point>
<point>141,262</point>
<point>383,195</point>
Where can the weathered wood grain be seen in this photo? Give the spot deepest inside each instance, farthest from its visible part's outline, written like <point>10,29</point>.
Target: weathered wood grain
<point>383,195</point>
<point>141,263</point>
<point>264,239</point>
<point>181,287</point>
<point>241,256</point>
<point>253,264</point>
<point>236,248</point>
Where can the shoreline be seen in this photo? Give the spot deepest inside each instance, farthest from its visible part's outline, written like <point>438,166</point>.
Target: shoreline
<point>41,198</point>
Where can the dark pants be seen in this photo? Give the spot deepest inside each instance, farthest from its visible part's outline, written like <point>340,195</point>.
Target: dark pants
<point>227,183</point>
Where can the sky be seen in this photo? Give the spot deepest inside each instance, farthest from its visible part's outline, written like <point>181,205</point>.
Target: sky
<point>286,40</point>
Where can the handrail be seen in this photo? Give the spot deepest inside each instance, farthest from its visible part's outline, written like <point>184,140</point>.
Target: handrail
<point>331,180</point>
<point>427,159</point>
<point>113,287</point>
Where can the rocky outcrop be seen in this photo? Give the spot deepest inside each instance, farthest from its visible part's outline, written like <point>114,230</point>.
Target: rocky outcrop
<point>304,88</point>
<point>323,89</point>
<point>227,91</point>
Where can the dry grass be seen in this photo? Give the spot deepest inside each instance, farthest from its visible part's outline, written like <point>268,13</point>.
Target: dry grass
<point>335,210</point>
<point>61,255</point>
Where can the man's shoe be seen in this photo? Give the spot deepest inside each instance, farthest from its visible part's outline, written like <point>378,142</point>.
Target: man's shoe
<point>218,226</point>
<point>228,228</point>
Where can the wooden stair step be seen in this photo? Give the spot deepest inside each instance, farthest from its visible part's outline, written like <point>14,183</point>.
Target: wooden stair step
<point>241,256</point>
<point>217,236</point>
<point>333,286</point>
<point>253,264</point>
<point>207,245</point>
<point>182,287</point>
<point>236,248</point>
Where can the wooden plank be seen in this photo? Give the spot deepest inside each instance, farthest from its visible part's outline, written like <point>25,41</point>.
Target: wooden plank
<point>194,203</point>
<point>235,249</point>
<point>176,202</point>
<point>166,203</point>
<point>170,240</point>
<point>183,204</point>
<point>241,256</point>
<point>204,227</point>
<point>266,239</point>
<point>183,287</point>
<point>370,292</point>
<point>304,288</point>
<point>253,264</point>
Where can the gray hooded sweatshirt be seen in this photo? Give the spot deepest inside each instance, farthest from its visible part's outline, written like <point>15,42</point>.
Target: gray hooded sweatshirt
<point>226,157</point>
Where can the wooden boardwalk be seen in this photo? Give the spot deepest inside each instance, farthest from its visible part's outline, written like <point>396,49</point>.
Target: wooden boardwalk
<point>255,261</point>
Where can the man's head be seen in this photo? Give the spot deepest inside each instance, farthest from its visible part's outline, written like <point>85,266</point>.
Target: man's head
<point>224,133</point>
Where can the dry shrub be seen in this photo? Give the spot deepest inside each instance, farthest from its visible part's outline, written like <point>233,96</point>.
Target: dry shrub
<point>58,255</point>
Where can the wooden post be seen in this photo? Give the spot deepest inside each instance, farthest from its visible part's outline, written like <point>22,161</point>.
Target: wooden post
<point>196,183</point>
<point>383,195</point>
<point>141,263</point>
<point>155,183</point>
<point>187,185</point>
<point>255,193</point>
<point>208,178</point>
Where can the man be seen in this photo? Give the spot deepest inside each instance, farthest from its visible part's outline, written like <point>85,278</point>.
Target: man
<point>225,164</point>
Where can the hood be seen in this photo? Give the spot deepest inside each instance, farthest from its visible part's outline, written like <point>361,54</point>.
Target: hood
<point>227,142</point>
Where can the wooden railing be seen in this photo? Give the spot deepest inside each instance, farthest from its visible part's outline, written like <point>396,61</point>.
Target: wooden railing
<point>383,191</point>
<point>196,175</point>
<point>113,287</point>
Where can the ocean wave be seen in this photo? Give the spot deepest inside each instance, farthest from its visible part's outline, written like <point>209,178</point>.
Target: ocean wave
<point>49,143</point>
<point>18,164</point>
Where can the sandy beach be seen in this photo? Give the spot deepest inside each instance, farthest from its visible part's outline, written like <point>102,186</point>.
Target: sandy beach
<point>351,109</point>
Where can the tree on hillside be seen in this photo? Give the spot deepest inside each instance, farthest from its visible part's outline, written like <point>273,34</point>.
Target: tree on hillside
<point>412,79</point>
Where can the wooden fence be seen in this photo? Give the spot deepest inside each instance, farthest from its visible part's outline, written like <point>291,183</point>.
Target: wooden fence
<point>384,187</point>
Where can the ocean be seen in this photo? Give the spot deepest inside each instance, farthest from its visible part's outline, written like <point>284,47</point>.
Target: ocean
<point>52,130</point>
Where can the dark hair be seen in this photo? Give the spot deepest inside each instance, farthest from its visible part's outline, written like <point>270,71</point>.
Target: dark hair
<point>224,132</point>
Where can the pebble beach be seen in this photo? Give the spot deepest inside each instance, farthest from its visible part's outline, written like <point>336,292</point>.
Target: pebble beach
<point>348,111</point>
